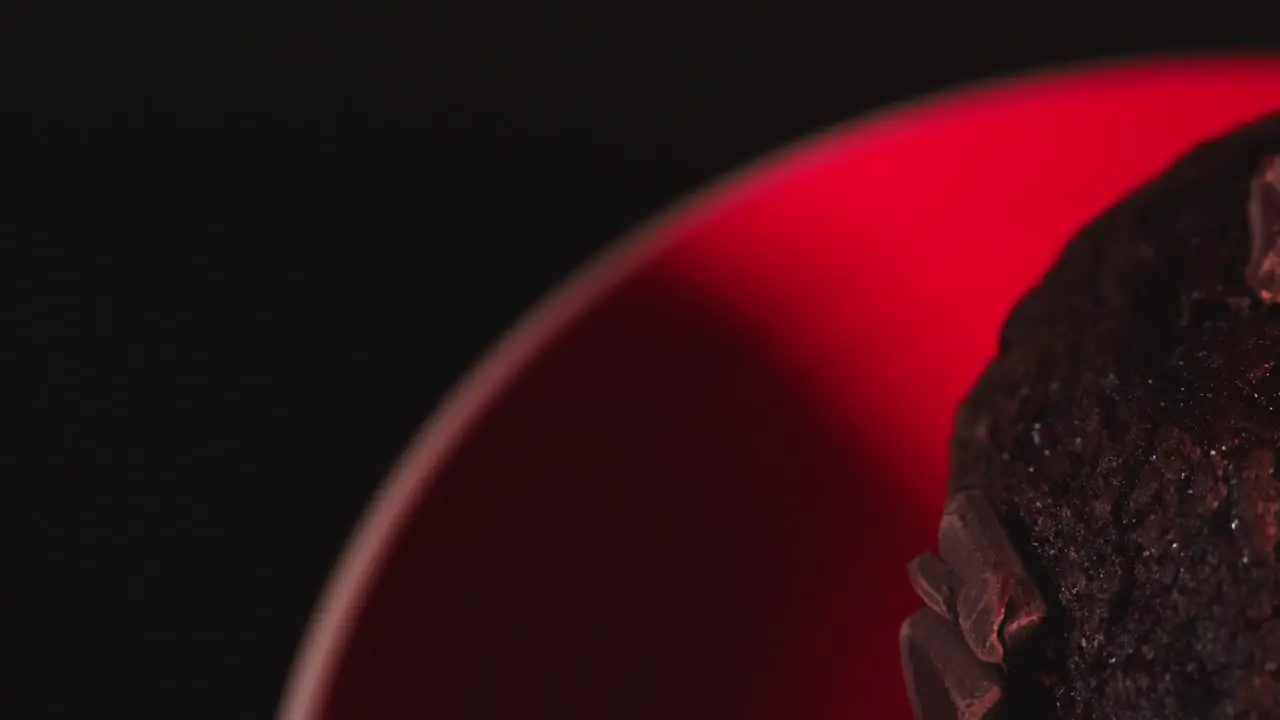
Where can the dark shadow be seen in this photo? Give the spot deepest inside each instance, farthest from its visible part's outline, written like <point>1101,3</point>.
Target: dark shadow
<point>651,523</point>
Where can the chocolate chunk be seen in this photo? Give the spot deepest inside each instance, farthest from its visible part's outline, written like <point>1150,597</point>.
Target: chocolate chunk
<point>972,542</point>
<point>935,584</point>
<point>1024,615</point>
<point>1263,273</point>
<point>981,609</point>
<point>943,677</point>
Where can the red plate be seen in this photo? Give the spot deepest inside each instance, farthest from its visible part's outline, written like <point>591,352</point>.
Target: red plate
<point>686,486</point>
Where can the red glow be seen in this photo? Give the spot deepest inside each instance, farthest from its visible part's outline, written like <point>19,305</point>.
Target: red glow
<point>696,499</point>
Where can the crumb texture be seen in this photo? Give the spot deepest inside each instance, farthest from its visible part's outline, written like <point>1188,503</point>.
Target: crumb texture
<point>1128,433</point>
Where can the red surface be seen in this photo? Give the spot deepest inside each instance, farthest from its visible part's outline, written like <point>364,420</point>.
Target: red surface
<point>695,497</point>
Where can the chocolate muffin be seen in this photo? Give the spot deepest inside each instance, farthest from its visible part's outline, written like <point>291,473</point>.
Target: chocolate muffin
<point>1123,446</point>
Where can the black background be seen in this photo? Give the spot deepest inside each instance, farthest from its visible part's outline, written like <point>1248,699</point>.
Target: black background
<point>252,249</point>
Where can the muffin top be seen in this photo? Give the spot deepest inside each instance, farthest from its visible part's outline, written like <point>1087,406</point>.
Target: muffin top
<point>1127,434</point>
